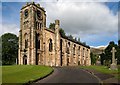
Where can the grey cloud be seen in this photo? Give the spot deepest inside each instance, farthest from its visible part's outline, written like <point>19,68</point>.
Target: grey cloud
<point>9,28</point>
<point>90,18</point>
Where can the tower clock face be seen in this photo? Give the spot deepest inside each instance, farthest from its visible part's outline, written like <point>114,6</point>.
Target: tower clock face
<point>38,14</point>
<point>26,13</point>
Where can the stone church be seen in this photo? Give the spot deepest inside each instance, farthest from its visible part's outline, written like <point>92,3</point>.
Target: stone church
<point>39,45</point>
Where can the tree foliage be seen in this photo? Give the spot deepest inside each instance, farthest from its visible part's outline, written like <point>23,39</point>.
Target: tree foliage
<point>70,37</point>
<point>93,58</point>
<point>78,39</point>
<point>9,48</point>
<point>75,39</point>
<point>106,57</point>
<point>52,26</point>
<point>62,32</point>
<point>119,43</point>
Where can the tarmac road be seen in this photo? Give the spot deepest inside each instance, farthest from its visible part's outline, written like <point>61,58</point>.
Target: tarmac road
<point>70,75</point>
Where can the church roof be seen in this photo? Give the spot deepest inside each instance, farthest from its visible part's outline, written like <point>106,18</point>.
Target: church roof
<point>65,37</point>
<point>33,3</point>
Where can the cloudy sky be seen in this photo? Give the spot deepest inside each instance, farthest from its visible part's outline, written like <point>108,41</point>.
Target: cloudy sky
<point>94,22</point>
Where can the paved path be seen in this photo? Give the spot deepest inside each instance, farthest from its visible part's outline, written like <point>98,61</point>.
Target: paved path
<point>69,75</point>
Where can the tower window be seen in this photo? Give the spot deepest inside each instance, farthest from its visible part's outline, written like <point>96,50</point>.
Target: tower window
<point>26,13</point>
<point>26,43</point>
<point>38,44</point>
<point>50,45</point>
<point>40,25</point>
<point>37,41</point>
<point>38,14</point>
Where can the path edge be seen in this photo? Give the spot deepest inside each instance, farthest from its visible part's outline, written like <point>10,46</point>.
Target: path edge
<point>91,73</point>
<point>30,82</point>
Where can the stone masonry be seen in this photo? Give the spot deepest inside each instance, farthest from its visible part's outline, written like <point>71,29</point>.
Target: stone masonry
<point>39,45</point>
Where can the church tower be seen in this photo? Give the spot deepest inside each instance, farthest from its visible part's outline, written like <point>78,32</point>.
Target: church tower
<point>32,23</point>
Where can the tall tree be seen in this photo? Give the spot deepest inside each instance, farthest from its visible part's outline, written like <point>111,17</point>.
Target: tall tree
<point>108,54</point>
<point>93,58</point>
<point>9,48</point>
<point>84,43</point>
<point>102,58</point>
<point>78,39</point>
<point>52,26</point>
<point>70,36</point>
<point>62,32</point>
<point>75,39</point>
<point>119,43</point>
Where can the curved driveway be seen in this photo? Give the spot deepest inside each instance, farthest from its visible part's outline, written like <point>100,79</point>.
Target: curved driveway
<point>69,75</point>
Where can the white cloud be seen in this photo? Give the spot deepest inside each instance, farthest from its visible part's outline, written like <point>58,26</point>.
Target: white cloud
<point>83,19</point>
<point>59,0</point>
<point>101,46</point>
<point>9,28</point>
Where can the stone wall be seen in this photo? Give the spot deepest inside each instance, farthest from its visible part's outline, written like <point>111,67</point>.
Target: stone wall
<point>39,45</point>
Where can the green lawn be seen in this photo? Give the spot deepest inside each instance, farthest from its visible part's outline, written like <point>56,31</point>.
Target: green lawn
<point>104,69</point>
<point>119,72</point>
<point>23,73</point>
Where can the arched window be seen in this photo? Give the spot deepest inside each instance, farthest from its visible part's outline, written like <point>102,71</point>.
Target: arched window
<point>68,47</point>
<point>24,60</point>
<point>79,50</point>
<point>83,52</point>
<point>37,41</point>
<point>74,49</point>
<point>26,43</point>
<point>26,40</point>
<point>38,44</point>
<point>50,45</point>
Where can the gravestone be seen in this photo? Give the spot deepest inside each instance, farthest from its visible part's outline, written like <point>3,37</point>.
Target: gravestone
<point>113,66</point>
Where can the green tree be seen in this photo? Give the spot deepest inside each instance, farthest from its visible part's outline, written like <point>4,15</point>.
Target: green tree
<point>84,43</point>
<point>119,43</point>
<point>118,55</point>
<point>9,48</point>
<point>62,32</point>
<point>75,39</point>
<point>102,58</point>
<point>93,58</point>
<point>70,37</point>
<point>108,54</point>
<point>52,26</point>
<point>78,39</point>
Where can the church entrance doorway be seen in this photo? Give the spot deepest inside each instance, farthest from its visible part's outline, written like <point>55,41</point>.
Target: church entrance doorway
<point>37,58</point>
<point>24,60</point>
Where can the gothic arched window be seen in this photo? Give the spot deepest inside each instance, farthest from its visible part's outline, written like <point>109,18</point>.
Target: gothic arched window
<point>37,41</point>
<point>38,44</point>
<point>26,40</point>
<point>79,50</point>
<point>68,47</point>
<point>50,45</point>
<point>83,52</point>
<point>74,49</point>
<point>26,43</point>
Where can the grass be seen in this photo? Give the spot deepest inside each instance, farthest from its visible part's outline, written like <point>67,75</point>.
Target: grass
<point>23,73</point>
<point>105,70</point>
<point>119,72</point>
